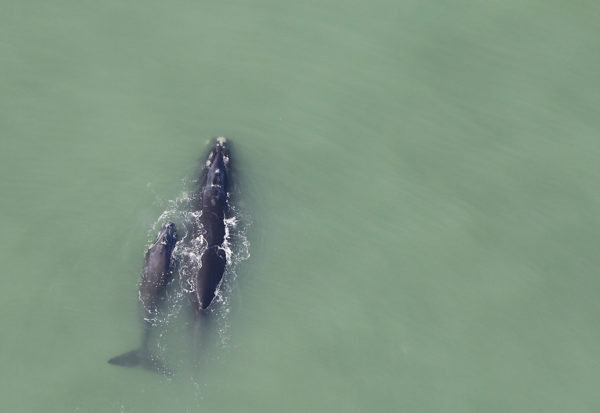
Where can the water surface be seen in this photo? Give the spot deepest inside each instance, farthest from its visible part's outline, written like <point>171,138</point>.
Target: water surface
<point>420,177</point>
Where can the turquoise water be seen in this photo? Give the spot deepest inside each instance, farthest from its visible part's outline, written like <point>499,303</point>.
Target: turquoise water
<point>419,184</point>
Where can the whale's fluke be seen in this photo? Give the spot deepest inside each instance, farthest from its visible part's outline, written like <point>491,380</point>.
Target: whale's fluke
<point>141,358</point>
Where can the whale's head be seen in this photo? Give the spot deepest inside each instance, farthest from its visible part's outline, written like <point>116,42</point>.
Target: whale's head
<point>167,235</point>
<point>217,165</point>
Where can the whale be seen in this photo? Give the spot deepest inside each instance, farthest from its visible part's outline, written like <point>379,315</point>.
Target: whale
<point>212,204</point>
<point>157,273</point>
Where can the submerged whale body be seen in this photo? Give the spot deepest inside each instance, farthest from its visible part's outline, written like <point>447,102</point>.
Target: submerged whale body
<point>212,201</point>
<point>156,275</point>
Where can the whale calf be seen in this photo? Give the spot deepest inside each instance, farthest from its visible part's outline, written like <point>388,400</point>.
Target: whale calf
<point>156,275</point>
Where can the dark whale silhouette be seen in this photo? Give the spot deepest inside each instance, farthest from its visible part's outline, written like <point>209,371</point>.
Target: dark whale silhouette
<point>156,275</point>
<point>212,201</point>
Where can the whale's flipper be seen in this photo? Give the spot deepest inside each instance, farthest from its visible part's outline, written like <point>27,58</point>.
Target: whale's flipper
<point>141,358</point>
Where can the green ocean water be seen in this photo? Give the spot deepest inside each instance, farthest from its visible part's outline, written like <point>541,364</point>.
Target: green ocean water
<point>420,186</point>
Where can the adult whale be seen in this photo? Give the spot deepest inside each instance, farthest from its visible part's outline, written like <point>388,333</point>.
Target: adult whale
<point>156,275</point>
<point>213,202</point>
